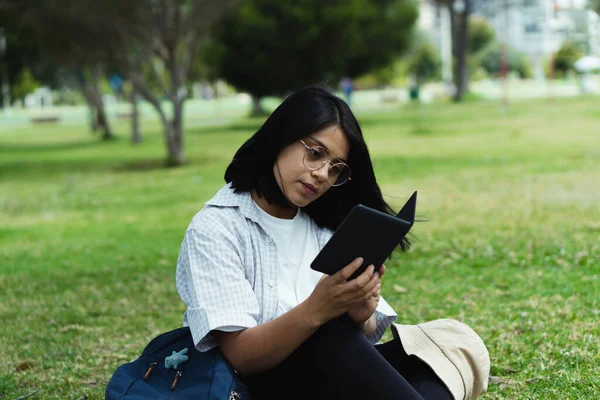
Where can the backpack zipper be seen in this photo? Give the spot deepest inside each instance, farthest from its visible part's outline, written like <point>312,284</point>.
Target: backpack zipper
<point>150,368</point>
<point>177,378</point>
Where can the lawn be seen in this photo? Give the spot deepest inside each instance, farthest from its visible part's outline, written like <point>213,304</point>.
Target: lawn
<point>509,243</point>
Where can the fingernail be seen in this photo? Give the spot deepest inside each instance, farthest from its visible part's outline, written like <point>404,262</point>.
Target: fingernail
<point>371,268</point>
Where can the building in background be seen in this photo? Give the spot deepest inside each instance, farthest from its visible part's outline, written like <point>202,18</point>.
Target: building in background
<point>435,21</point>
<point>536,28</point>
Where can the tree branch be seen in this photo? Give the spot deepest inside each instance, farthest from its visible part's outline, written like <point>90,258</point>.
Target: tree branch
<point>142,88</point>
<point>159,80</point>
<point>207,10</point>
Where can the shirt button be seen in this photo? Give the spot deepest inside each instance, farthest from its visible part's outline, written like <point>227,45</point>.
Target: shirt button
<point>269,240</point>
<point>271,283</point>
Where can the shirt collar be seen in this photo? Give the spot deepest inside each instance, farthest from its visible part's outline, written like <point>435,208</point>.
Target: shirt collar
<point>226,197</point>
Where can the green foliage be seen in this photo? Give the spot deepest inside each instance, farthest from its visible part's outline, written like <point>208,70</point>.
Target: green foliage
<point>378,78</point>
<point>22,54</point>
<point>490,61</point>
<point>425,63</point>
<point>595,5</point>
<point>24,85</point>
<point>565,57</point>
<point>480,35</point>
<point>271,46</point>
<point>391,75</point>
<point>68,97</point>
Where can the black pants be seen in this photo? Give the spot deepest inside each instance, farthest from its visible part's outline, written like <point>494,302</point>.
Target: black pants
<point>338,362</point>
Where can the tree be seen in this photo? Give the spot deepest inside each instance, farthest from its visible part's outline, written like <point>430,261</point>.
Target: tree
<point>24,85</point>
<point>480,42</point>
<point>268,47</point>
<point>595,5</point>
<point>18,54</point>
<point>380,33</point>
<point>565,57</point>
<point>159,38</point>
<point>46,35</point>
<point>490,60</point>
<point>424,62</point>
<point>480,35</point>
<point>460,42</point>
<point>139,38</point>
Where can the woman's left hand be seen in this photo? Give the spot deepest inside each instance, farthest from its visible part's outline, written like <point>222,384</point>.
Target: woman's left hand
<point>364,309</point>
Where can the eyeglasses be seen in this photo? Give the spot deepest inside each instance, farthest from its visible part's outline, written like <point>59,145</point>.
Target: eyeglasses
<point>316,157</point>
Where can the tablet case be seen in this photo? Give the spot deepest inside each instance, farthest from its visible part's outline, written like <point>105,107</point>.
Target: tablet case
<point>366,233</point>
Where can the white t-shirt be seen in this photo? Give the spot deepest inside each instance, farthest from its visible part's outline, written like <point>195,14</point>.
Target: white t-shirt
<point>228,268</point>
<point>297,246</point>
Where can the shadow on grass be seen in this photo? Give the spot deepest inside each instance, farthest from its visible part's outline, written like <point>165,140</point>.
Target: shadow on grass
<point>148,165</point>
<point>49,147</point>
<point>158,164</point>
<point>51,169</point>
<point>248,125</point>
<point>414,119</point>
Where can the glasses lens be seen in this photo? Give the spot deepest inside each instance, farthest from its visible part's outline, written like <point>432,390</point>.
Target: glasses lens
<point>315,157</point>
<point>339,173</point>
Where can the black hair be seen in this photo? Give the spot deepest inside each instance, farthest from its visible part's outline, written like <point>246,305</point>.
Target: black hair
<point>304,112</point>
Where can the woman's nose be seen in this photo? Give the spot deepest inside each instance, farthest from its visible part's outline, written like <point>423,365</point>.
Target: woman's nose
<point>321,173</point>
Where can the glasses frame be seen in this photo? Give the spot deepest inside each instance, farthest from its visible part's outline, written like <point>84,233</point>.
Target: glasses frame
<point>329,163</point>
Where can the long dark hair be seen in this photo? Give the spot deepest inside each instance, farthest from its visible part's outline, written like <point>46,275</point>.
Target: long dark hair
<point>304,112</point>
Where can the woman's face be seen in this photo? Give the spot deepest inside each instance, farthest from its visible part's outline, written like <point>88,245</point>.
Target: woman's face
<point>300,185</point>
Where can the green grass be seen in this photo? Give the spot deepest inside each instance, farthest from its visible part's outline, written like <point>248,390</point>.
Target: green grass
<point>90,234</point>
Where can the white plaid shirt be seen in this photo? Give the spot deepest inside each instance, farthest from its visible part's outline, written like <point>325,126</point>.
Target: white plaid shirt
<point>227,270</point>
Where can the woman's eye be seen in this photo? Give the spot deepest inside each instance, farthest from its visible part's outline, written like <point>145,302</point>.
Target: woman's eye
<point>315,153</point>
<point>336,169</point>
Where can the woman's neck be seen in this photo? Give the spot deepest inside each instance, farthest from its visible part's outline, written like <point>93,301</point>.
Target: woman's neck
<point>273,209</point>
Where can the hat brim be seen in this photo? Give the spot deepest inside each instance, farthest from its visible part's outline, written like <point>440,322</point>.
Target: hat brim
<point>416,342</point>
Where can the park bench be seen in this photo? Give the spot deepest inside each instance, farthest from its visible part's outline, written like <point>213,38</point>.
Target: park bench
<point>45,120</point>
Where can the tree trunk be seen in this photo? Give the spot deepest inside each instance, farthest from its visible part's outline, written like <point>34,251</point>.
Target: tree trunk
<point>460,40</point>
<point>96,99</point>
<point>85,90</point>
<point>174,136</point>
<point>136,137</point>
<point>257,110</point>
<point>103,122</point>
<point>172,127</point>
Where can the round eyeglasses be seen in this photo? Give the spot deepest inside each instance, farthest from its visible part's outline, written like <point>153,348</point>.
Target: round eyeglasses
<point>316,157</point>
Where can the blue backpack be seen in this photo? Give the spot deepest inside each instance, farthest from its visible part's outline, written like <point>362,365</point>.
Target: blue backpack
<point>171,368</point>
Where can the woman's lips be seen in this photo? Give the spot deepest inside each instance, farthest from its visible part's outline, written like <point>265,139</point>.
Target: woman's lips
<point>309,189</point>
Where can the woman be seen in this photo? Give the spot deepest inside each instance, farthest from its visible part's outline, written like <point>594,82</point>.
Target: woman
<point>244,266</point>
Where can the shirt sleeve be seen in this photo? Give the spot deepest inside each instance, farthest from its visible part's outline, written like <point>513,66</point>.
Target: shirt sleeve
<point>211,281</point>
<point>385,316</point>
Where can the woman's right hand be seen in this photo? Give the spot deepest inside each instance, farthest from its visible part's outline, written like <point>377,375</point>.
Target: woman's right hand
<point>334,295</point>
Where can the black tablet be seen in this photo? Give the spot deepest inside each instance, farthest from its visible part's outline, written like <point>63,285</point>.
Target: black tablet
<point>366,233</point>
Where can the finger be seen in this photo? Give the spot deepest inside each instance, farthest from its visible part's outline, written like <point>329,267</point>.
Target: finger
<point>348,270</point>
<point>376,292</point>
<point>361,291</point>
<point>382,270</point>
<point>358,284</point>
